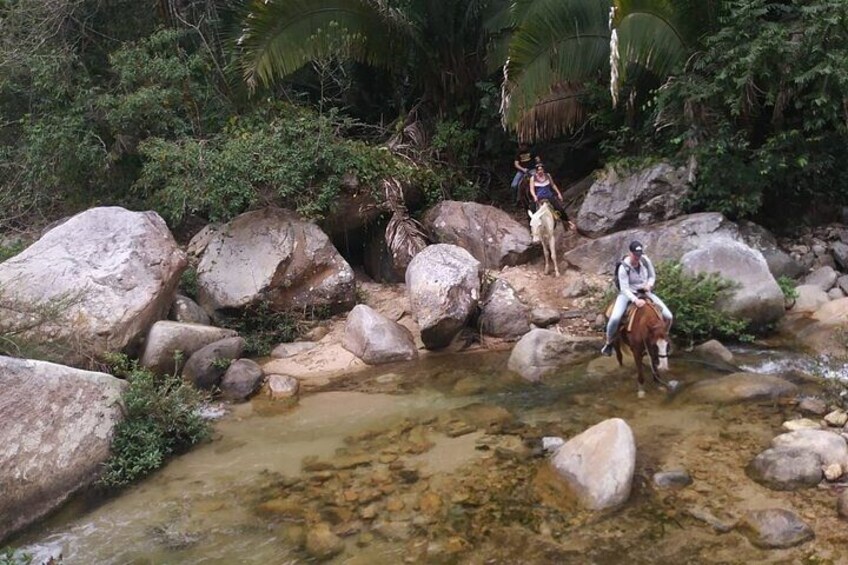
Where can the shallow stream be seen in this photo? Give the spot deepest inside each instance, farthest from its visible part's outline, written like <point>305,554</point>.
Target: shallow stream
<point>440,461</point>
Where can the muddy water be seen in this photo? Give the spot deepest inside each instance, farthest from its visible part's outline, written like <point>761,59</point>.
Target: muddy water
<point>440,462</point>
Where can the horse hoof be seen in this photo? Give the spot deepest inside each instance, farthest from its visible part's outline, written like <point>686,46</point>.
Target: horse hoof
<point>640,394</point>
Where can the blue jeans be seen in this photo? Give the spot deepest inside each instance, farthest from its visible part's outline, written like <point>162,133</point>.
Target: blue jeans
<point>516,180</point>
<point>621,303</point>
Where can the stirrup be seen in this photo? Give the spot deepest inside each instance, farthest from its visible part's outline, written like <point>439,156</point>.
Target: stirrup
<point>607,350</point>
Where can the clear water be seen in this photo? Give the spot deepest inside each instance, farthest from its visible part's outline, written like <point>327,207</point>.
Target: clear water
<point>452,472</point>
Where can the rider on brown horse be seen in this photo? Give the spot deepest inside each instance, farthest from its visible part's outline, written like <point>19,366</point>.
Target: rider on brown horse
<point>636,280</point>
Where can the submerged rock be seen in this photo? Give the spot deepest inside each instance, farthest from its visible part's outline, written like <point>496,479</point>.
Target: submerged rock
<point>322,543</point>
<point>714,349</point>
<point>56,427</point>
<point>541,352</point>
<point>282,387</point>
<point>740,387</point>
<point>785,468</point>
<point>598,464</point>
<point>677,478</point>
<point>775,528</point>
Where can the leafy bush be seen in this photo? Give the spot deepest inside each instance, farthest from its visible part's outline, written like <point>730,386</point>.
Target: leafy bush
<point>787,287</point>
<point>188,282</point>
<point>9,556</point>
<point>162,418</point>
<point>263,328</point>
<point>693,299</point>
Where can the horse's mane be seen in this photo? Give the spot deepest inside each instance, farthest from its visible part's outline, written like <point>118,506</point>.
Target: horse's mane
<point>652,314</point>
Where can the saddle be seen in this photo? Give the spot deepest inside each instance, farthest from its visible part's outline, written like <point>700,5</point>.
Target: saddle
<point>554,211</point>
<point>627,320</point>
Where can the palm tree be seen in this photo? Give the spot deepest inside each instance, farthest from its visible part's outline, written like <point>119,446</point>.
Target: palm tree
<point>558,46</point>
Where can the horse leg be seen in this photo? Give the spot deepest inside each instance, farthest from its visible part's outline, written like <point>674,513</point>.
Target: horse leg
<point>546,252</point>
<point>617,347</point>
<point>553,252</point>
<point>637,356</point>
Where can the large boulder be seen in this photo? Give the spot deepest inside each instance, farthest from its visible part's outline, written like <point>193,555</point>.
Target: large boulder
<point>757,297</point>
<point>780,263</point>
<point>443,284</point>
<point>715,245</point>
<point>502,313</point>
<point>272,255</point>
<point>541,352</point>
<point>166,338</point>
<point>649,196</point>
<point>56,427</point>
<point>810,298</point>
<point>488,233</point>
<point>740,387</point>
<point>99,281</point>
<point>823,331</point>
<point>598,464</point>
<point>375,339</point>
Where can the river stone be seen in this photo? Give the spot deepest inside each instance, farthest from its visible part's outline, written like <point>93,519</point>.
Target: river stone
<point>282,386</point>
<point>706,242</point>
<point>111,272</point>
<point>713,349</point>
<point>810,298</point>
<point>186,310</point>
<point>829,446</point>
<point>489,234</point>
<point>56,427</point>
<point>800,424</point>
<point>272,255</point>
<point>598,464</point>
<point>833,472</point>
<point>740,387</point>
<point>322,543</point>
<point>575,288</point>
<point>835,294</point>
<point>652,195</point>
<point>541,352</point>
<point>207,365</point>
<point>775,528</point>
<point>375,339</point>
<point>285,350</point>
<point>784,468</point>
<point>677,478</point>
<point>780,263</point>
<point>840,254</point>
<point>823,277</point>
<point>757,297</point>
<point>166,338</point>
<point>837,418</point>
<point>242,379</point>
<point>502,313</point>
<point>842,283</point>
<point>443,284</point>
<point>812,405</point>
<point>544,317</point>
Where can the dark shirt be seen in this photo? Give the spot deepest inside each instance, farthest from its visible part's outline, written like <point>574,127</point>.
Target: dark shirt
<point>526,159</point>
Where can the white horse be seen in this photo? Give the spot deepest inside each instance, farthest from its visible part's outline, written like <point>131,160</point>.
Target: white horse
<point>542,229</point>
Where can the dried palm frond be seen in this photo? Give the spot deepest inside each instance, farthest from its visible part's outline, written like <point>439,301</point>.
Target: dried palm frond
<point>405,236</point>
<point>559,113</point>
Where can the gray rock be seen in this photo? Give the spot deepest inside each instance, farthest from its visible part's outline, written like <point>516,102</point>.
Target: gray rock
<point>677,478</point>
<point>544,317</point>
<point>272,255</point>
<point>740,387</point>
<point>502,313</point>
<point>842,283</point>
<point>829,446</point>
<point>784,468</point>
<point>375,339</point>
<point>186,310</point>
<point>810,298</point>
<point>713,349</point>
<point>598,464</point>
<point>208,364</point>
<point>242,379</point>
<point>822,331</point>
<point>835,293</point>
<point>166,338</point>
<point>840,254</point>
<point>715,245</point>
<point>824,278</point>
<point>837,418</point>
<point>812,405</point>
<point>443,285</point>
<point>56,427</point>
<point>285,350</point>
<point>780,263</point>
<point>575,288</point>
<point>114,273</point>
<point>489,234</point>
<point>201,240</point>
<point>704,515</point>
<point>800,424</point>
<point>282,386</point>
<point>757,297</point>
<point>652,195</point>
<point>775,528</point>
<point>541,352</point>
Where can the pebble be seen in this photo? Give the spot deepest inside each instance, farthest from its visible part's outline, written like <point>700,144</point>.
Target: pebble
<point>677,478</point>
<point>801,424</point>
<point>552,443</point>
<point>837,418</point>
<point>832,472</point>
<point>812,405</point>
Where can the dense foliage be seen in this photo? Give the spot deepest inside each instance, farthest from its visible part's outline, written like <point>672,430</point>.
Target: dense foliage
<point>161,418</point>
<point>693,300</point>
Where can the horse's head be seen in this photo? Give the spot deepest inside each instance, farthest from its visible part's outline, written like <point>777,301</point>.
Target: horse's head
<point>535,225</point>
<point>659,337</point>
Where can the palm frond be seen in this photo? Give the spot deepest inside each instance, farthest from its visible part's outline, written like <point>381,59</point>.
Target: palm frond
<point>405,236</point>
<point>280,36</point>
<point>553,116</point>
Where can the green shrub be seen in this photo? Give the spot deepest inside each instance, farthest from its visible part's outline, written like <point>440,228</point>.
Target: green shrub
<point>188,282</point>
<point>787,286</point>
<point>693,299</point>
<point>9,556</point>
<point>161,418</point>
<point>9,251</point>
<point>263,328</point>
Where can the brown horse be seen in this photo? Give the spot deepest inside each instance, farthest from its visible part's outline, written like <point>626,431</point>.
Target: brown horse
<point>646,332</point>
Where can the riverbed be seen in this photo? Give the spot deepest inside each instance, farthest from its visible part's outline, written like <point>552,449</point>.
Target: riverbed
<point>441,461</point>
